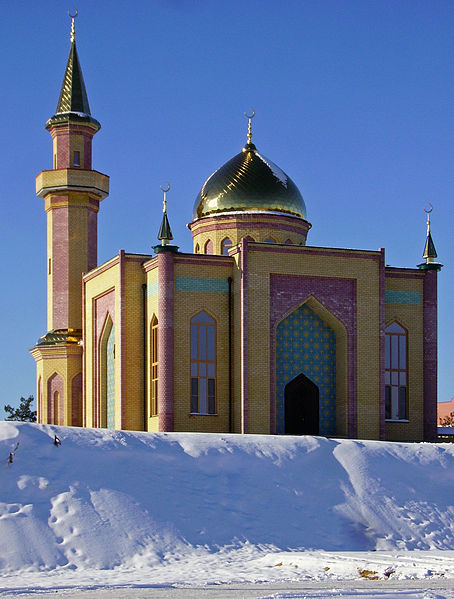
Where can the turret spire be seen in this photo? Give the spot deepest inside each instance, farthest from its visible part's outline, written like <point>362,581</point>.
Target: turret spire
<point>165,232</point>
<point>430,252</point>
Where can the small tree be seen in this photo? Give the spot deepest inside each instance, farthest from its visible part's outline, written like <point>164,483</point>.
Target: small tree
<point>23,412</point>
<point>447,420</point>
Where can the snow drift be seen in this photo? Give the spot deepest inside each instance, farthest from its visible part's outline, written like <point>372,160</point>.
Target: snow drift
<point>109,498</point>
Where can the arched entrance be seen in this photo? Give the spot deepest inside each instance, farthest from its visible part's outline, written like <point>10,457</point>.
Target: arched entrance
<point>306,345</point>
<point>301,401</point>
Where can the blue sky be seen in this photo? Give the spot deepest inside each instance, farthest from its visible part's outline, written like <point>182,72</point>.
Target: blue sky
<point>353,99</point>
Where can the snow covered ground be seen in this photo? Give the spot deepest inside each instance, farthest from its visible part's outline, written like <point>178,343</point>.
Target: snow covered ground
<point>203,515</point>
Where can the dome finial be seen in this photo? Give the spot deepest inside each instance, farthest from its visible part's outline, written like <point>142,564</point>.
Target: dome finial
<point>249,127</point>
<point>73,29</point>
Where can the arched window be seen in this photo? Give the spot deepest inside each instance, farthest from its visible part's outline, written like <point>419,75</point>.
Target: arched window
<point>225,246</point>
<point>289,241</point>
<point>208,247</point>
<point>249,238</point>
<point>76,400</point>
<point>203,364</point>
<point>55,399</point>
<point>56,407</point>
<point>269,240</point>
<point>197,248</point>
<point>106,404</point>
<point>154,367</point>
<point>396,372</point>
<point>39,403</point>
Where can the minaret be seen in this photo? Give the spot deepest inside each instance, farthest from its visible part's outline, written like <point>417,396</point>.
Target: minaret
<point>72,191</point>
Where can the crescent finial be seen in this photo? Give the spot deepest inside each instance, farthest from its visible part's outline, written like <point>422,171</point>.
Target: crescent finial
<point>73,29</point>
<point>249,127</point>
<point>428,211</point>
<point>164,201</point>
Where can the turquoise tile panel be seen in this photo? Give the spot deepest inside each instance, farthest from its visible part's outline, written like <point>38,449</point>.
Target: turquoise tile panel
<point>413,298</point>
<point>305,344</point>
<point>198,284</point>
<point>111,379</point>
<point>152,289</point>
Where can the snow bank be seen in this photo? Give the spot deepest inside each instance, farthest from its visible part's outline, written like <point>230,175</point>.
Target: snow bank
<point>105,499</point>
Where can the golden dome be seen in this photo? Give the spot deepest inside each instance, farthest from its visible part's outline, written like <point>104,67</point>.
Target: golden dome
<point>249,182</point>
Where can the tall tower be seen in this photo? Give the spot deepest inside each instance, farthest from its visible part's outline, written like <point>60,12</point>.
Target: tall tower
<point>72,191</point>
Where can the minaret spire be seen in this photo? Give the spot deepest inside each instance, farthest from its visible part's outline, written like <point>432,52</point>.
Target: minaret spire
<point>249,145</point>
<point>73,98</point>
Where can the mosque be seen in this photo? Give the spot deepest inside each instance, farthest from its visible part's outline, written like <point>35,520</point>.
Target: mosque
<point>253,332</point>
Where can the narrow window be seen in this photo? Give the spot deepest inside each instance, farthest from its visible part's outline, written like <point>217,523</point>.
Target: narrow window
<point>289,241</point>
<point>197,248</point>
<point>57,407</point>
<point>208,247</point>
<point>269,240</point>
<point>396,372</point>
<point>76,161</point>
<point>225,246</point>
<point>55,161</point>
<point>154,367</point>
<point>50,266</point>
<point>203,364</point>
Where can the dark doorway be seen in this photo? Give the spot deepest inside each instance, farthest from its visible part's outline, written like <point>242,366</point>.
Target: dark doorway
<point>301,407</point>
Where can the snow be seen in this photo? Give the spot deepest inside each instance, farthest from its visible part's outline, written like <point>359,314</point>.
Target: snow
<point>114,508</point>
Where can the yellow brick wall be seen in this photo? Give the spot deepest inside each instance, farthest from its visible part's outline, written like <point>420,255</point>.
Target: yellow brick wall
<point>187,305</point>
<point>132,358</point>
<point>103,282</point>
<point>410,317</point>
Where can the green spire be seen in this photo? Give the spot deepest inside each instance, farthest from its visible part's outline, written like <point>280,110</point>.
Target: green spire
<point>73,100</point>
<point>73,95</point>
<point>429,249</point>
<point>165,232</point>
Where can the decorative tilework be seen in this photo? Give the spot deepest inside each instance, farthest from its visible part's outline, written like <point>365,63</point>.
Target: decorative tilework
<point>198,284</point>
<point>413,298</point>
<point>152,289</point>
<point>304,343</point>
<point>111,379</point>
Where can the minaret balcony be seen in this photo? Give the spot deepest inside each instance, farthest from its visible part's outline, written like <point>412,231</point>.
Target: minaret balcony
<point>72,179</point>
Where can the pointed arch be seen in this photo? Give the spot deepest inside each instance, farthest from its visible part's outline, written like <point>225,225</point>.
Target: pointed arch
<point>76,400</point>
<point>197,248</point>
<point>312,341</point>
<point>203,363</point>
<point>396,371</point>
<point>270,240</point>
<point>226,244</point>
<point>154,363</point>
<point>55,399</point>
<point>208,248</point>
<point>106,397</point>
<point>39,403</point>
<point>288,241</point>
